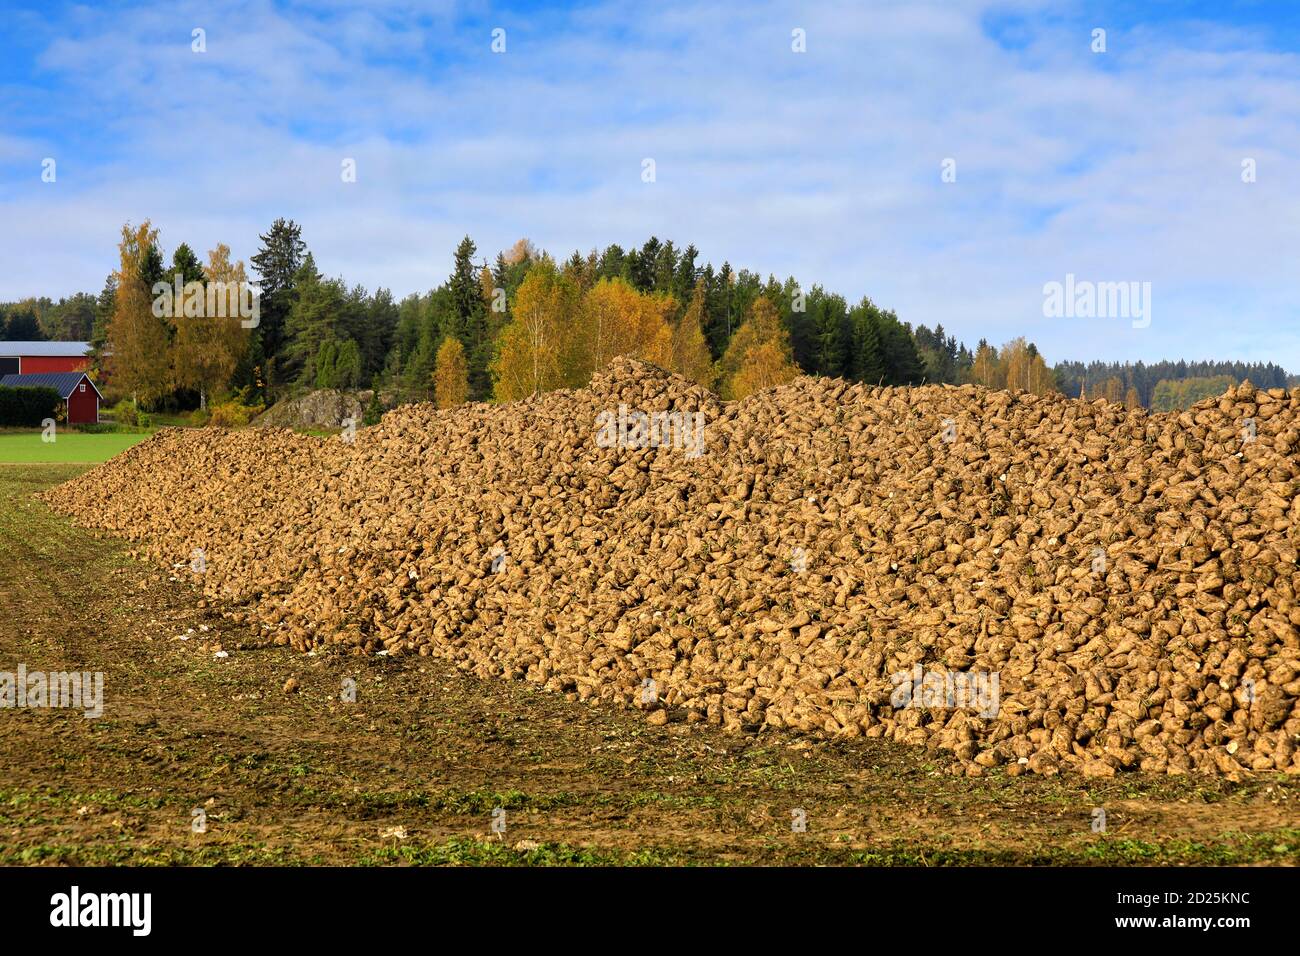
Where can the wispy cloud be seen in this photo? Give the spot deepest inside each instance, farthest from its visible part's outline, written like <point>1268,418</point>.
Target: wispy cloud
<point>825,165</point>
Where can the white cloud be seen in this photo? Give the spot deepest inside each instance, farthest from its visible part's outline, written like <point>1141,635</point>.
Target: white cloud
<point>823,165</point>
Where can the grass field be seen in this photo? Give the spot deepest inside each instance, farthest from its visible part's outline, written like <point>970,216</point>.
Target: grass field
<point>411,772</point>
<point>68,447</point>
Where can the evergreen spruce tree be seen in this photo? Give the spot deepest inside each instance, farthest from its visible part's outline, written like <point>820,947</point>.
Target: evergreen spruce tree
<point>186,265</point>
<point>868,359</point>
<point>468,319</point>
<point>277,263</point>
<point>103,313</point>
<point>903,365</point>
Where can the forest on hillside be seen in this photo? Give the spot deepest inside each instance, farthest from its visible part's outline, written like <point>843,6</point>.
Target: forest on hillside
<point>523,321</point>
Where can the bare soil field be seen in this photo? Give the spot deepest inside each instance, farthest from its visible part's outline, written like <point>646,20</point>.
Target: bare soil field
<point>288,772</point>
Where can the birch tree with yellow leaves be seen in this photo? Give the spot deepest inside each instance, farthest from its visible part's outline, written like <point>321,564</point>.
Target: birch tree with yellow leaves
<point>535,352</point>
<point>759,355</point>
<point>691,357</point>
<point>211,337</point>
<point>986,370</point>
<point>450,374</point>
<point>138,338</point>
<point>1023,368</point>
<point>615,319</point>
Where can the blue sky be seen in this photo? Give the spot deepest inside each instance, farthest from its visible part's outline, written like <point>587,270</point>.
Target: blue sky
<point>825,165</point>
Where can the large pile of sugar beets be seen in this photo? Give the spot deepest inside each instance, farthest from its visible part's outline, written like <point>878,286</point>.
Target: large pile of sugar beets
<point>1119,584</point>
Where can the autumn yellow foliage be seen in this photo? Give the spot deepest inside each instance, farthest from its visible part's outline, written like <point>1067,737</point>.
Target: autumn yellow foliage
<point>535,352</point>
<point>559,336</point>
<point>759,355</point>
<point>691,357</point>
<point>765,366</point>
<point>615,319</point>
<point>137,339</point>
<point>450,374</point>
<point>210,337</point>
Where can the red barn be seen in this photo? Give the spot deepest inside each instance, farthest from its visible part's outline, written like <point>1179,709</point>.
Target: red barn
<point>25,358</point>
<point>75,388</point>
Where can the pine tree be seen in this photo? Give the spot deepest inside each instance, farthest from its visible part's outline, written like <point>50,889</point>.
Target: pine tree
<point>686,276</point>
<point>248,378</point>
<point>581,270</point>
<point>868,356</point>
<point>324,366</point>
<point>612,262</point>
<point>375,338</point>
<point>277,263</point>
<point>431,320</point>
<point>798,317</point>
<point>374,410</point>
<point>468,321</point>
<point>316,305</point>
<point>465,292</point>
<point>718,328</point>
<point>500,271</point>
<point>418,372</point>
<point>640,266</point>
<point>152,270</point>
<point>104,307</point>
<point>902,363</point>
<point>185,265</point>
<point>347,364</point>
<point>72,318</point>
<point>22,325</point>
<point>665,269</point>
<point>830,318</point>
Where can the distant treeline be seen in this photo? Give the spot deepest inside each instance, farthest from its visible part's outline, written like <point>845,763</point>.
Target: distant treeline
<point>1112,379</point>
<point>521,311</point>
<point>70,319</point>
<point>525,321</point>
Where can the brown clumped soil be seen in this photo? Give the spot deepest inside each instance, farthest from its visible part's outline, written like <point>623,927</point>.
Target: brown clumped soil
<point>1126,578</point>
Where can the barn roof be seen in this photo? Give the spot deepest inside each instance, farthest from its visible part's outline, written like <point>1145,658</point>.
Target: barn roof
<point>45,349</point>
<point>65,383</point>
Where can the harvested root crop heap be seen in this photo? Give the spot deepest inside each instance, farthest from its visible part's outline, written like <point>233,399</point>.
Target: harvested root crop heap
<point>1123,582</point>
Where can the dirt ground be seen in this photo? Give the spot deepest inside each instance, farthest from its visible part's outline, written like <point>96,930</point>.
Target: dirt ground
<point>414,770</point>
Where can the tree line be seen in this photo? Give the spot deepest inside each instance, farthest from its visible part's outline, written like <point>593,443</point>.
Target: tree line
<point>499,330</point>
<point>525,322</point>
<point>71,319</point>
<point>1115,380</point>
